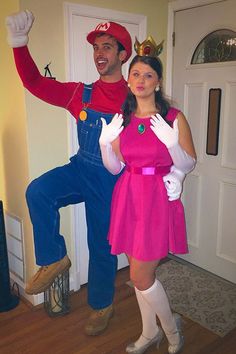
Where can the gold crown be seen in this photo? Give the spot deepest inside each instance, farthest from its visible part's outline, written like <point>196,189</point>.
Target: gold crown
<point>148,48</point>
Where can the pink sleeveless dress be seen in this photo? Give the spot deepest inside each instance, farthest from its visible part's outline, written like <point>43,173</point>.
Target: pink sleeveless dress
<point>144,223</point>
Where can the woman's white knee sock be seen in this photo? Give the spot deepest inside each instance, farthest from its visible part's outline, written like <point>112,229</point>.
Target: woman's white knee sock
<point>156,297</point>
<point>150,328</point>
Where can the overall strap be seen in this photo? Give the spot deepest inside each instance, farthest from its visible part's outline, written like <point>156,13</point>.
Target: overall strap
<point>87,93</point>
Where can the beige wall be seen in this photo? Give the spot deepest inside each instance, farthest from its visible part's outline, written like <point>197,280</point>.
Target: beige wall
<point>14,172</point>
<point>37,140</point>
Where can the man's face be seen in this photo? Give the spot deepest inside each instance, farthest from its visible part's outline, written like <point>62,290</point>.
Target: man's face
<point>106,56</point>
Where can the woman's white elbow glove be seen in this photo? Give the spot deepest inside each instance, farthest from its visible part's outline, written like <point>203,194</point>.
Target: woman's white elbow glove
<point>170,137</point>
<point>108,134</point>
<point>181,159</point>
<point>110,160</point>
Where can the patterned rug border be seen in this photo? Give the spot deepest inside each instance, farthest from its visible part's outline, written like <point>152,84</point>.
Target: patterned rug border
<point>199,295</point>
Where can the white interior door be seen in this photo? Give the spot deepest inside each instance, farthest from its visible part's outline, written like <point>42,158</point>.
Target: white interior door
<point>80,20</point>
<point>210,191</point>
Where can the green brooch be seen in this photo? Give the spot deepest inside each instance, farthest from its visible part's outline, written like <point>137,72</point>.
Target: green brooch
<point>141,128</point>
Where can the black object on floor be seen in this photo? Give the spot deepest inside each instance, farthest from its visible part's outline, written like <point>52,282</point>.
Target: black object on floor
<point>8,300</point>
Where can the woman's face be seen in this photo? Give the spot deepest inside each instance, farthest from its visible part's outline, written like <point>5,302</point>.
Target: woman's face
<point>143,80</point>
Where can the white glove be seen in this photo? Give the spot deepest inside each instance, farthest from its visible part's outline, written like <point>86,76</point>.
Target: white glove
<point>18,26</point>
<point>109,133</point>
<point>174,183</point>
<point>168,136</point>
<point>112,130</point>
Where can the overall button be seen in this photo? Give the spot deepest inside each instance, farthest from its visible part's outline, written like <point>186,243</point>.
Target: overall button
<point>83,115</point>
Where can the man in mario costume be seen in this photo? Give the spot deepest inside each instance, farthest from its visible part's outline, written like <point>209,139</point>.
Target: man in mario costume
<point>84,178</point>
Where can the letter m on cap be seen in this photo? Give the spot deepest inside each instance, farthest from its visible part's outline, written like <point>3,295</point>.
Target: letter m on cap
<point>102,26</point>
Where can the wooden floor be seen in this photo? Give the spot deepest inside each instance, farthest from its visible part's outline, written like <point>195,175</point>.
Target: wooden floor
<point>28,330</point>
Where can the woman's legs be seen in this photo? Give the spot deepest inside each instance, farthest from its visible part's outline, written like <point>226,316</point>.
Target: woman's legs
<point>152,300</point>
<point>149,322</point>
<point>158,300</point>
<point>150,328</point>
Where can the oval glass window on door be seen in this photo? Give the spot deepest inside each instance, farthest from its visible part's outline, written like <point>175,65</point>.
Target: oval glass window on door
<point>218,46</point>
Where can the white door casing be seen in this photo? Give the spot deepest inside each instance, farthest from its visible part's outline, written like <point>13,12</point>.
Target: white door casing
<point>210,190</point>
<point>79,21</point>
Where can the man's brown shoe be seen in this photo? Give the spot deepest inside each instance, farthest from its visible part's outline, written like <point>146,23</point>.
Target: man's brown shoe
<point>98,321</point>
<point>45,276</point>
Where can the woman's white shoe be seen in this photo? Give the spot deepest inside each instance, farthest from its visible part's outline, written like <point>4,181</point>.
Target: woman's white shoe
<point>176,348</point>
<point>131,348</point>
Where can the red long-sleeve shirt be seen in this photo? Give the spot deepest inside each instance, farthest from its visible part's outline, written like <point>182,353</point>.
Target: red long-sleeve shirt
<point>106,97</point>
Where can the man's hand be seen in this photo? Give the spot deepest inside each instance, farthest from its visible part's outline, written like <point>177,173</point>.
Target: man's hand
<point>174,183</point>
<point>18,26</point>
<point>112,130</point>
<point>168,136</point>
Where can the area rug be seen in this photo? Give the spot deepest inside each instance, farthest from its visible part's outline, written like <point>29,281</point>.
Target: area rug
<point>199,295</point>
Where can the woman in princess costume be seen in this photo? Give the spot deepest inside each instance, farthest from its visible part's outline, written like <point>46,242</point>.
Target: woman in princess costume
<point>148,141</point>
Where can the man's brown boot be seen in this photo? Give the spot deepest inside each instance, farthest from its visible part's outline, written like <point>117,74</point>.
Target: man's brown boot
<point>98,321</point>
<point>45,276</point>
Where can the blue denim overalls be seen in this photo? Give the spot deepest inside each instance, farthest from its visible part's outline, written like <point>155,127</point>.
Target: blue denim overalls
<point>84,179</point>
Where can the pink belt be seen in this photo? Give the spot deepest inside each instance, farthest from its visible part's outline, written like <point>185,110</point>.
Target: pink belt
<point>148,170</point>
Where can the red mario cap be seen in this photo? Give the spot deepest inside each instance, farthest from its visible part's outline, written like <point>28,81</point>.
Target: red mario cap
<point>119,32</point>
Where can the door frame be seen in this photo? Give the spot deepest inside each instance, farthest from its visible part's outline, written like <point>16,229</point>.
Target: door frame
<point>70,10</point>
<point>173,7</point>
